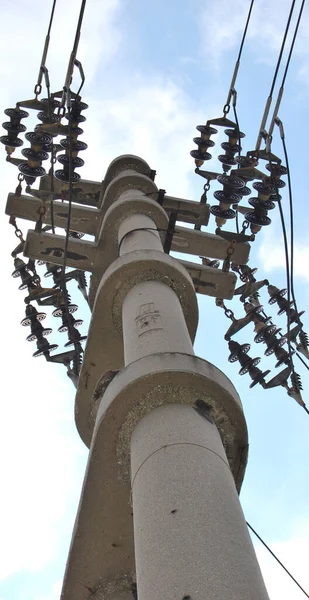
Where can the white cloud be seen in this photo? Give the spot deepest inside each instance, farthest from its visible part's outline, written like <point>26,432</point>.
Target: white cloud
<point>223,22</point>
<point>152,118</point>
<point>272,256</point>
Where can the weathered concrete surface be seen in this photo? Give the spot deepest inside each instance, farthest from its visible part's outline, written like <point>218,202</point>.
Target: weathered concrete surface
<point>190,535</point>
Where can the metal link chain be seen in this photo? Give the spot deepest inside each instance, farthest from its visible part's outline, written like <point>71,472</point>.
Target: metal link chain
<point>227,311</point>
<point>229,253</point>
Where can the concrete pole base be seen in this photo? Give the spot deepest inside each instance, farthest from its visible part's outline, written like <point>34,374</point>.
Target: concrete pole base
<point>191,539</point>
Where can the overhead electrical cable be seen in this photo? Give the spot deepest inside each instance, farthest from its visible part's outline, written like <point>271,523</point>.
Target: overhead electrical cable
<point>66,101</point>
<point>72,61</point>
<point>38,86</point>
<point>281,90</point>
<point>232,92</point>
<point>294,377</point>
<point>235,73</point>
<point>270,96</point>
<point>277,559</point>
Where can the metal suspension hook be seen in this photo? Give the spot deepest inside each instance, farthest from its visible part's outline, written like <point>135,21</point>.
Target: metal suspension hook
<point>71,64</point>
<point>79,65</point>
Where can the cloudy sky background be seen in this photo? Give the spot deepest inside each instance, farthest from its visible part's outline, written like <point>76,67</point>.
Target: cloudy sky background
<point>154,70</point>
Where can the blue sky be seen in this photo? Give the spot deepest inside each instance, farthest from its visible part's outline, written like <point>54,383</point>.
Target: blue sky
<point>154,70</point>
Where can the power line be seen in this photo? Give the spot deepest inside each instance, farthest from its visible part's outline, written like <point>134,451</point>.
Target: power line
<point>277,559</point>
<point>38,86</point>
<point>282,136</point>
<point>269,99</point>
<point>235,73</point>
<point>281,90</point>
<point>72,60</point>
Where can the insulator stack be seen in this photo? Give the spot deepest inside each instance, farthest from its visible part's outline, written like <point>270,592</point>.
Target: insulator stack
<point>277,295</point>
<point>203,143</point>
<point>231,148</point>
<point>267,196</point>
<point>250,289</point>
<point>34,318</point>
<point>303,345</point>
<point>13,128</point>
<point>246,165</point>
<point>67,320</point>
<point>267,332</point>
<point>35,155</point>
<point>21,270</point>
<point>229,195</point>
<point>296,381</point>
<point>72,145</point>
<point>48,115</point>
<point>248,365</point>
<point>63,302</point>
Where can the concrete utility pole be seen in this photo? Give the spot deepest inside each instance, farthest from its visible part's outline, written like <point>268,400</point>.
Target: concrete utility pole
<point>159,515</point>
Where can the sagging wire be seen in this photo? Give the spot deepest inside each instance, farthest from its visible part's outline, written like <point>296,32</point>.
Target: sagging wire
<point>279,123</point>
<point>66,102</point>
<point>270,96</point>
<point>77,345</point>
<point>294,377</point>
<point>276,558</point>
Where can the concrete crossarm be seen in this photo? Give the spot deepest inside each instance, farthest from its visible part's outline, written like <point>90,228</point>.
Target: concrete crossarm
<point>86,255</point>
<point>88,220</point>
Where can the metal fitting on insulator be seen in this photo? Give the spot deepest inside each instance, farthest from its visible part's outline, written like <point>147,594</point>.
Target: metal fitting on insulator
<point>203,142</point>
<point>279,379</point>
<point>13,128</point>
<point>40,146</point>
<point>43,347</point>
<point>72,145</point>
<point>249,288</point>
<point>239,324</point>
